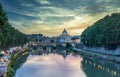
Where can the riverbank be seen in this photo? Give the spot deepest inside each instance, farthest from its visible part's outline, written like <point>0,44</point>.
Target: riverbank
<point>16,61</point>
<point>111,56</point>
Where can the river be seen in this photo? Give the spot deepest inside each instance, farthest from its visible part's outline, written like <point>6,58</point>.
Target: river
<point>62,63</point>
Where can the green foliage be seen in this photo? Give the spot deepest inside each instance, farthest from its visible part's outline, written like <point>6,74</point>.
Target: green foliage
<point>16,61</point>
<point>68,45</point>
<point>103,33</point>
<point>8,35</point>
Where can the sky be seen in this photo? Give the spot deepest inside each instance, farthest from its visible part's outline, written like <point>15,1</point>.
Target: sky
<point>50,17</point>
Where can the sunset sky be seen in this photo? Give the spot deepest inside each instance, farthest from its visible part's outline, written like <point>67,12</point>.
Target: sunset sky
<point>50,17</point>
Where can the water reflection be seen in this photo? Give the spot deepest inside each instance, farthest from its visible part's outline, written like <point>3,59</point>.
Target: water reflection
<point>95,68</point>
<point>50,62</point>
<point>60,64</point>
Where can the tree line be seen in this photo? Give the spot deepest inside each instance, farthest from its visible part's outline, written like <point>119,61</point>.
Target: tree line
<point>9,36</point>
<point>103,33</point>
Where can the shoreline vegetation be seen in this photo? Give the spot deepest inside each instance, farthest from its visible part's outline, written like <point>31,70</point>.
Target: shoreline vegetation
<point>102,39</point>
<point>16,62</point>
<point>103,33</point>
<point>9,36</point>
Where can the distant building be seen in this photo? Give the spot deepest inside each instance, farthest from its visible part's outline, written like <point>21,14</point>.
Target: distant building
<point>77,42</point>
<point>76,39</point>
<point>34,36</point>
<point>64,37</point>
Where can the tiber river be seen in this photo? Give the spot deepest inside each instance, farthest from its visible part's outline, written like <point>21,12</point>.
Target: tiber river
<point>62,63</point>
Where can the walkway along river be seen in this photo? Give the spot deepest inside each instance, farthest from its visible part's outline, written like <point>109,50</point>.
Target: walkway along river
<point>61,63</point>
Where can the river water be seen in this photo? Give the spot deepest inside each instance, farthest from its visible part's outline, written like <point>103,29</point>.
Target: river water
<point>62,63</point>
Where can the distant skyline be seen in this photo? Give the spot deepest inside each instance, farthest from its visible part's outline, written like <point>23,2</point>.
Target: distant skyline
<point>50,17</point>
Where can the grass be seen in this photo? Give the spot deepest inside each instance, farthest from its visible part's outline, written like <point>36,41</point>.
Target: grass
<point>16,62</point>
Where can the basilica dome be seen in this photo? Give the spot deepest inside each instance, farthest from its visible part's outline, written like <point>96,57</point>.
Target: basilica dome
<point>64,32</point>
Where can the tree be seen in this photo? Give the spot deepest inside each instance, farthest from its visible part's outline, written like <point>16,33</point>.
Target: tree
<point>9,36</point>
<point>104,33</point>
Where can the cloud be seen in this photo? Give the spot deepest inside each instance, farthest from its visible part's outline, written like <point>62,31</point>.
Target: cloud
<point>50,17</point>
<point>26,4</point>
<point>43,1</point>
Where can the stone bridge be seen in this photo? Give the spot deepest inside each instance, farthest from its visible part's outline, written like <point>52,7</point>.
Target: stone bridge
<point>49,44</point>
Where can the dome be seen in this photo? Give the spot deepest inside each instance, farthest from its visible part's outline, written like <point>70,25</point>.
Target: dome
<point>64,31</point>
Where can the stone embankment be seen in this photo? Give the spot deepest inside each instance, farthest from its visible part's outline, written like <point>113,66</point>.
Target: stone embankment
<point>100,55</point>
